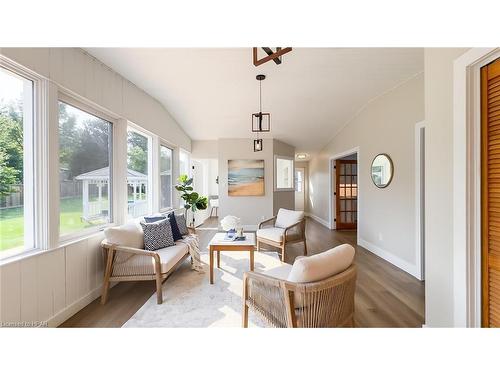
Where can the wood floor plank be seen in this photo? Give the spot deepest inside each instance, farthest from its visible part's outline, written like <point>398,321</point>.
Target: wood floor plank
<point>385,295</point>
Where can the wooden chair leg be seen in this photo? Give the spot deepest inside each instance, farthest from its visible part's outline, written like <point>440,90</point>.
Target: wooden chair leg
<point>159,292</point>
<point>245,315</point>
<point>107,276</point>
<point>245,306</point>
<point>283,253</point>
<point>258,245</point>
<point>305,247</point>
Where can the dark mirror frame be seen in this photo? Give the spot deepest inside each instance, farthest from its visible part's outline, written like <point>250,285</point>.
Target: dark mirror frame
<point>392,170</point>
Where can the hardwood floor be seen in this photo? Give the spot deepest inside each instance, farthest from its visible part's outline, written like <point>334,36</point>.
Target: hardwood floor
<point>385,295</point>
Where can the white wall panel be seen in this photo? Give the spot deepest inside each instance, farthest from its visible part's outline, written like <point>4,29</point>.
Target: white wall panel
<point>29,292</point>
<point>58,270</point>
<point>95,253</point>
<point>73,71</point>
<point>56,64</point>
<point>45,285</point>
<point>76,275</point>
<point>53,285</point>
<point>10,289</point>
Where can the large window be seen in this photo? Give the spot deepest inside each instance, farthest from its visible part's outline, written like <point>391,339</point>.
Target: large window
<point>16,164</point>
<point>165,177</point>
<point>138,164</point>
<point>283,177</point>
<point>84,169</point>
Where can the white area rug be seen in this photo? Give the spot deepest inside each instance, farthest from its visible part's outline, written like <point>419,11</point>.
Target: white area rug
<point>190,301</point>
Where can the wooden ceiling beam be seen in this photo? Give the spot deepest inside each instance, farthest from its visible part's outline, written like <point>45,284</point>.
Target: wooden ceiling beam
<point>270,55</point>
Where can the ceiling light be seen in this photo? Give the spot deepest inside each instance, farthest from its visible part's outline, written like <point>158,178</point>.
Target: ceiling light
<point>261,122</point>
<point>257,145</point>
<point>301,156</point>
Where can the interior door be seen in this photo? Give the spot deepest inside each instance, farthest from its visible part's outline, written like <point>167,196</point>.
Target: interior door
<point>490,194</point>
<point>299,189</point>
<point>346,194</point>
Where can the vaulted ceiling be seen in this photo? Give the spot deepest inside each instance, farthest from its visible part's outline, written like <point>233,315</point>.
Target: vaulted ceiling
<point>315,91</point>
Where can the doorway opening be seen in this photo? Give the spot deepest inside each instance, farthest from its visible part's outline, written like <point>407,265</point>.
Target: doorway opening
<point>300,191</point>
<point>344,192</point>
<point>205,174</point>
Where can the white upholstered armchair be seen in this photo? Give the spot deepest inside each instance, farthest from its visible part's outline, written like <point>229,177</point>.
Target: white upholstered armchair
<point>316,292</point>
<point>285,228</point>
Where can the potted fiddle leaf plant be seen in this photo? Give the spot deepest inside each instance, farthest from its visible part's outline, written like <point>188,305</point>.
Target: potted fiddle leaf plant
<point>192,200</point>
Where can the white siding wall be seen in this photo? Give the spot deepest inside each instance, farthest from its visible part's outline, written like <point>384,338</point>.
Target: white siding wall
<point>53,285</point>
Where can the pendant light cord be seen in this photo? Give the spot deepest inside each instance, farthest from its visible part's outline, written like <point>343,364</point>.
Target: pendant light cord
<point>260,96</point>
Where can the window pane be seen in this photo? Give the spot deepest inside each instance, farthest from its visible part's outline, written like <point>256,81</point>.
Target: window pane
<point>183,163</point>
<point>84,162</point>
<point>165,177</point>
<point>137,174</point>
<point>284,173</point>
<point>16,183</point>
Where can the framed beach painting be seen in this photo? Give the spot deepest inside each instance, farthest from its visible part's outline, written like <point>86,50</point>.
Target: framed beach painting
<point>245,178</point>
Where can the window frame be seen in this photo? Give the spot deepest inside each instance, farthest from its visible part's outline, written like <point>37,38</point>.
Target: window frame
<point>34,161</point>
<point>162,143</point>
<point>69,99</point>
<point>289,158</point>
<point>151,167</point>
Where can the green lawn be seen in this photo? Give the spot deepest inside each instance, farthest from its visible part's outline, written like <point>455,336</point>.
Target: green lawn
<point>11,228</point>
<point>12,225</point>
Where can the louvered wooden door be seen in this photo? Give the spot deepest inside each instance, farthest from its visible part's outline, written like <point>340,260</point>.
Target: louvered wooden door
<point>490,193</point>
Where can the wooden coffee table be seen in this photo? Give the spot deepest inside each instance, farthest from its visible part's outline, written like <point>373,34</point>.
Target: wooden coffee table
<point>217,244</point>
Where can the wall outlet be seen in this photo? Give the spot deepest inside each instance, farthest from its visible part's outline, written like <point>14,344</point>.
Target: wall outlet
<point>262,218</point>
<point>380,237</point>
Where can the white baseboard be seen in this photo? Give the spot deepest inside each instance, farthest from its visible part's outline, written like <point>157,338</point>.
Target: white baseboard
<point>391,258</point>
<point>318,219</point>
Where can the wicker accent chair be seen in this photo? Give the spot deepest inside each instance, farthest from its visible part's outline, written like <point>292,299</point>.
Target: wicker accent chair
<point>126,260</point>
<point>283,229</point>
<point>325,303</point>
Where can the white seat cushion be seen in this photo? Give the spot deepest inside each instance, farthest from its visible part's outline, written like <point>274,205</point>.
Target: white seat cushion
<point>287,218</point>
<point>321,266</point>
<point>273,234</point>
<point>127,264</point>
<point>130,235</point>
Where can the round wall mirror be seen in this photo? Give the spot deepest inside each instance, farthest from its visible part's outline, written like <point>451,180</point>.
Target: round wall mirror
<point>382,170</point>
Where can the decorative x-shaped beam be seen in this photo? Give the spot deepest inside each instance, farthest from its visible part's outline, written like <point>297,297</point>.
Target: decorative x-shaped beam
<point>271,55</point>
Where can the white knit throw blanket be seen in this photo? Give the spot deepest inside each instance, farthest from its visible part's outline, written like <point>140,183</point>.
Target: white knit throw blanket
<point>193,243</point>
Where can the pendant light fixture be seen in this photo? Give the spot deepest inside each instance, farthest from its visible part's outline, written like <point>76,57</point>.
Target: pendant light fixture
<point>261,122</point>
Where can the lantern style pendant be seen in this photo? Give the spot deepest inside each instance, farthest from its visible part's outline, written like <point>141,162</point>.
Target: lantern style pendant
<point>258,145</point>
<point>261,122</point>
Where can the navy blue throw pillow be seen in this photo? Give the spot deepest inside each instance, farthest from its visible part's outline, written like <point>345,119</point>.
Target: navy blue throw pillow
<point>175,228</point>
<point>154,218</point>
<point>157,235</point>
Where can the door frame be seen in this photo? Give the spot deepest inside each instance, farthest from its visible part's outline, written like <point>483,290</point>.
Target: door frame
<point>419,190</point>
<point>337,212</point>
<point>331,186</point>
<point>467,185</point>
